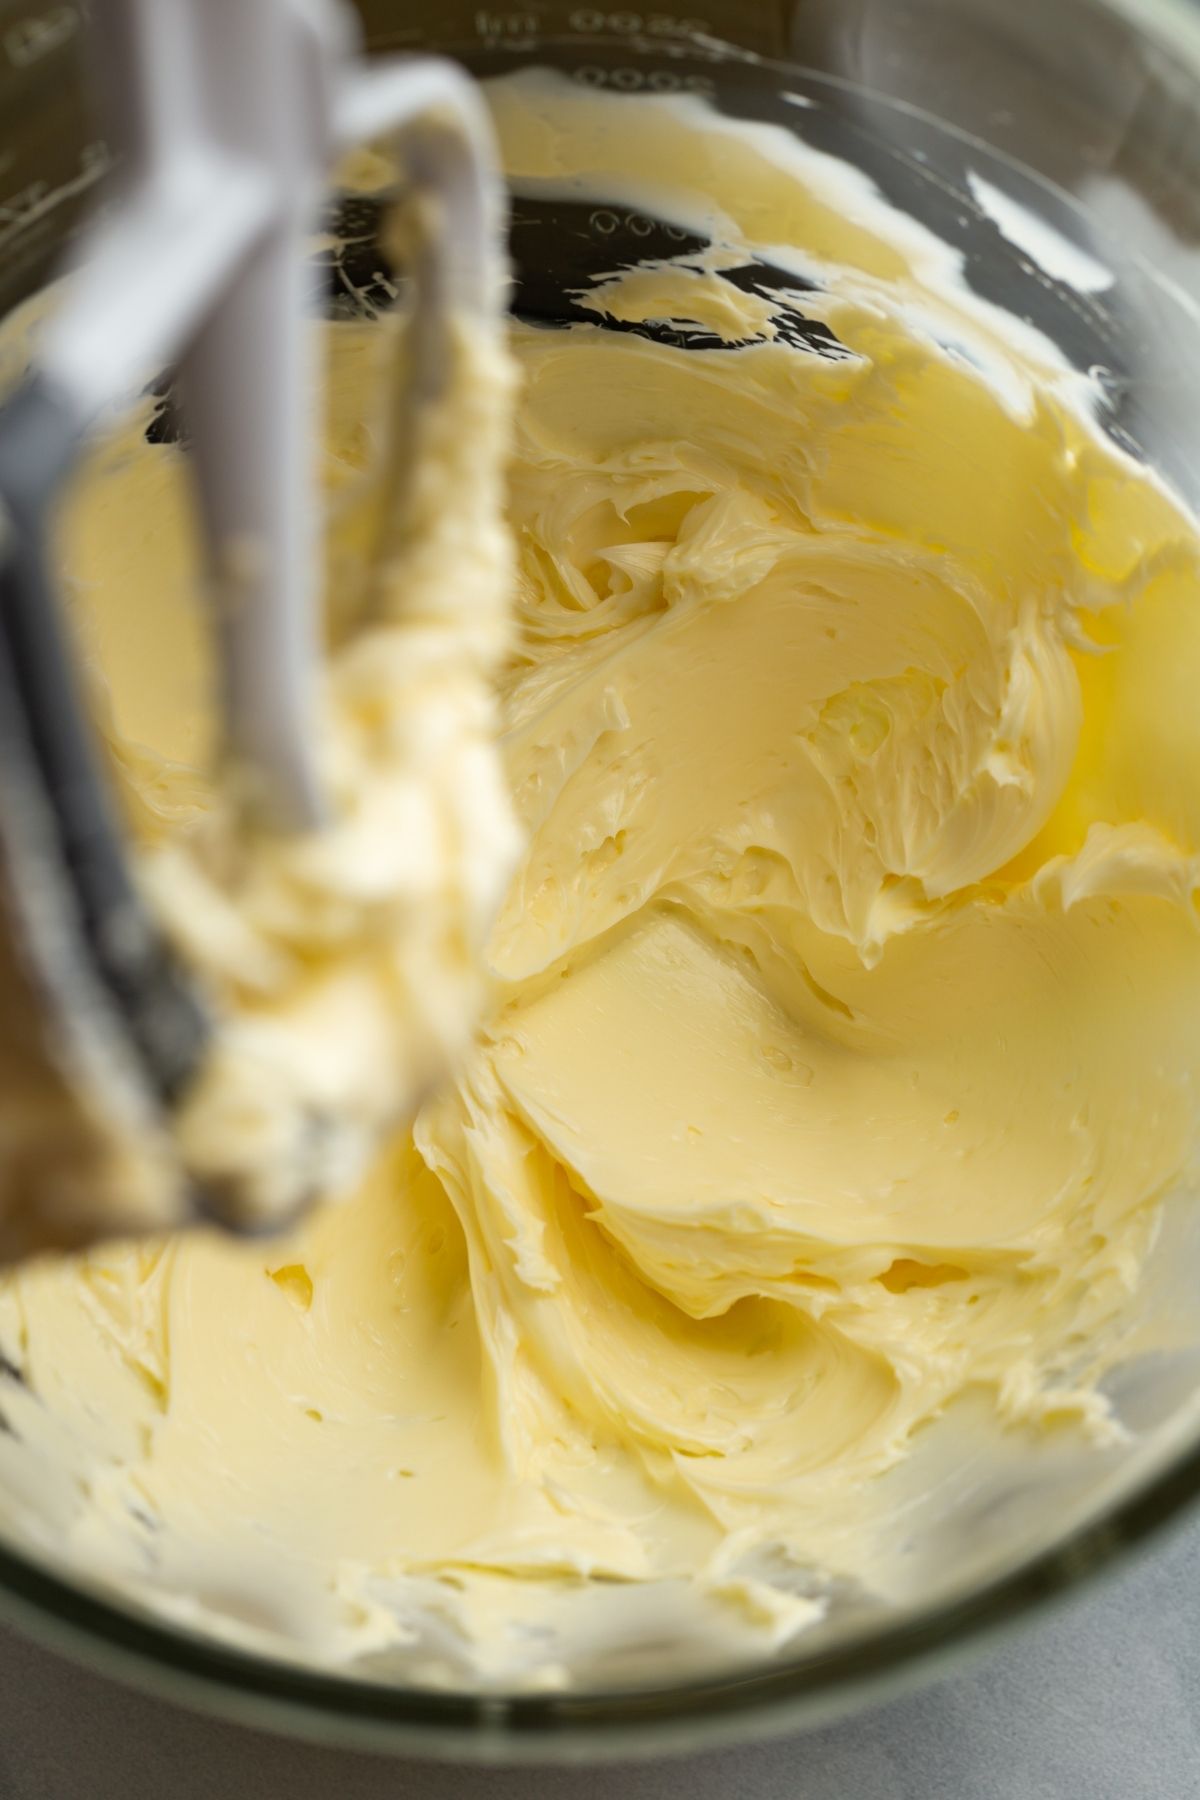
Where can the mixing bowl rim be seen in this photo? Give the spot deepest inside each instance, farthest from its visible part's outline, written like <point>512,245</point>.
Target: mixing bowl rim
<point>511,1727</point>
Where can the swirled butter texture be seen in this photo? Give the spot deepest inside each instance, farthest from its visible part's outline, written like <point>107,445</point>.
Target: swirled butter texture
<point>844,1032</point>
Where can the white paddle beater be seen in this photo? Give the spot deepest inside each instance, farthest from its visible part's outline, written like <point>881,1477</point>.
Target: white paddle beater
<point>226,116</point>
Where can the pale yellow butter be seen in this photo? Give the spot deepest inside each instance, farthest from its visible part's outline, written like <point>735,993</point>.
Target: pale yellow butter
<point>843,1035</point>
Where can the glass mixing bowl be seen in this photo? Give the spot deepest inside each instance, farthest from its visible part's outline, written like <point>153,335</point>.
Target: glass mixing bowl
<point>1085,114</point>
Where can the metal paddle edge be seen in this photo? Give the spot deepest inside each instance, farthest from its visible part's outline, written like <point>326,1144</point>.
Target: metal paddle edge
<point>87,939</point>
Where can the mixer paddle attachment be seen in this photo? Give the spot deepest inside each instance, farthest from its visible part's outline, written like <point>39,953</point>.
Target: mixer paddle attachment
<point>227,118</point>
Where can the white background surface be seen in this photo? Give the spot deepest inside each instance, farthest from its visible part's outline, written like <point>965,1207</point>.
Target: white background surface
<point>1099,1700</point>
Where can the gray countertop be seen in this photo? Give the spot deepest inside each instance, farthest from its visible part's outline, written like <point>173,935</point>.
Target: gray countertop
<point>1099,1700</point>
